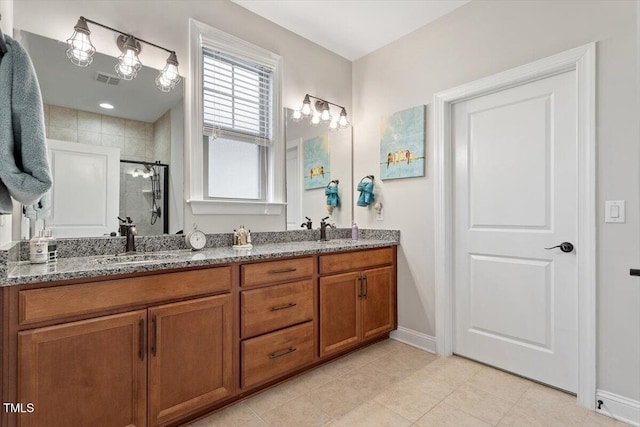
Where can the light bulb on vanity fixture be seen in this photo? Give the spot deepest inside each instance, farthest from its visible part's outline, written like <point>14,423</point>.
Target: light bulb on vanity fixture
<point>80,52</point>
<point>128,63</point>
<point>321,112</point>
<point>169,77</point>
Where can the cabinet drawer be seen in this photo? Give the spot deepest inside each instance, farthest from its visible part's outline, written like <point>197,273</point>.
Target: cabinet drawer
<point>276,271</point>
<point>336,263</point>
<point>271,355</point>
<point>267,309</point>
<point>39,305</point>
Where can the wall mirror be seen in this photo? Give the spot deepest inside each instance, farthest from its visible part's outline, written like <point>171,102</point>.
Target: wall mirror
<point>316,158</point>
<point>124,161</point>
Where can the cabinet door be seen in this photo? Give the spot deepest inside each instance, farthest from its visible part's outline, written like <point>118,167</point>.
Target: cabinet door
<point>190,356</point>
<point>378,308</point>
<point>86,373</point>
<point>339,312</point>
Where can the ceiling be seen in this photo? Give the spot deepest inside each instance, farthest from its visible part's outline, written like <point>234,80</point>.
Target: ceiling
<point>351,28</point>
<point>66,85</point>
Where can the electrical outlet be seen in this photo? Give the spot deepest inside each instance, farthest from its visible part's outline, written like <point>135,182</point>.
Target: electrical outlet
<point>380,216</point>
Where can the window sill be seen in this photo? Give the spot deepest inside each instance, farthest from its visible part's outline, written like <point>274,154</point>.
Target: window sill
<point>232,207</point>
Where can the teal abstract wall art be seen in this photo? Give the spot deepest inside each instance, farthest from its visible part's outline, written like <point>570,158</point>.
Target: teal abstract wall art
<point>317,167</point>
<point>402,140</point>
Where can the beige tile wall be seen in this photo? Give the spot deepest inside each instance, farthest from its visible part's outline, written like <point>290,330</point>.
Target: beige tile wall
<point>134,138</point>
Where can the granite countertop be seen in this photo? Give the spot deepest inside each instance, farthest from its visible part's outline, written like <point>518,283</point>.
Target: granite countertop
<point>94,266</point>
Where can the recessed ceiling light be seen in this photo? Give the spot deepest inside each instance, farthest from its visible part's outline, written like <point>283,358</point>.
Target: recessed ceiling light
<point>106,106</point>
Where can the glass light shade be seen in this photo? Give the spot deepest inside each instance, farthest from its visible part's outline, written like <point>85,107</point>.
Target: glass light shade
<point>306,108</point>
<point>343,122</point>
<point>296,115</point>
<point>135,173</point>
<point>315,120</point>
<point>128,63</point>
<point>326,115</point>
<point>169,76</point>
<point>80,51</point>
<point>334,124</point>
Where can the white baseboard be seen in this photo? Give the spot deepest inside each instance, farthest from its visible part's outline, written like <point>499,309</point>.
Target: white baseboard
<point>619,407</point>
<point>415,338</point>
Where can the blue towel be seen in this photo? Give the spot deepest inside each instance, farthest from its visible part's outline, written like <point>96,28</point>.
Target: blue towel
<point>366,194</point>
<point>24,166</point>
<point>333,198</point>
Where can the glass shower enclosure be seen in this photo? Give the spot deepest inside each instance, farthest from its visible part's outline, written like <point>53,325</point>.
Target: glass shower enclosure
<point>144,189</point>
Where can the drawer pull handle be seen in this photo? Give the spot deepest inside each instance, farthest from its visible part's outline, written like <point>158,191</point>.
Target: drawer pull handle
<point>284,270</point>
<point>284,307</point>
<point>284,353</point>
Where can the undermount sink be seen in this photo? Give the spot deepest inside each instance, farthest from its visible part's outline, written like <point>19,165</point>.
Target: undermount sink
<point>134,258</point>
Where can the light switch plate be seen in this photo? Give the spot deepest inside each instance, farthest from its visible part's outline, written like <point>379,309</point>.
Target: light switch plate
<point>614,211</point>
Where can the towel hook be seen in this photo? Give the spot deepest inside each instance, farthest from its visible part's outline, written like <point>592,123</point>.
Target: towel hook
<point>371,177</point>
<point>335,181</point>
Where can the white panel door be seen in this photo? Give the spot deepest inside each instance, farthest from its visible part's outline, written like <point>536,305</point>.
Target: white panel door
<point>86,187</point>
<point>515,177</point>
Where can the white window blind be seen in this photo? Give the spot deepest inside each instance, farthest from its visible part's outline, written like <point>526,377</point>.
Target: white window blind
<point>237,97</point>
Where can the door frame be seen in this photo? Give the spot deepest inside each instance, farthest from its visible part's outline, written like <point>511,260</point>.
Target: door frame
<point>583,60</point>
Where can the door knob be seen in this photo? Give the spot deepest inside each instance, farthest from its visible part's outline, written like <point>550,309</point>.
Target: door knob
<point>564,247</point>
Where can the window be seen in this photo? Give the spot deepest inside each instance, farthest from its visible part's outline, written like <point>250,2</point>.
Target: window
<point>237,148</point>
<point>237,121</point>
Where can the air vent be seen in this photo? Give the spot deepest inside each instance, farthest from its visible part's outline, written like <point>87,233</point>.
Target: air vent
<point>107,79</point>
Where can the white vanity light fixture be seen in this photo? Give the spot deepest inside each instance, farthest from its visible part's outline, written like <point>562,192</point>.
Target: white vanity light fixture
<point>80,52</point>
<point>321,111</point>
<point>106,106</point>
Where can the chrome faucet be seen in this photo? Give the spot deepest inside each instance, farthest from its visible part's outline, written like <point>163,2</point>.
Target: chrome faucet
<point>323,229</point>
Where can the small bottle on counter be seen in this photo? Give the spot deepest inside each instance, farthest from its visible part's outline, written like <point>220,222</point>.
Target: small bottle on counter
<point>39,249</point>
<point>354,232</point>
<point>249,237</point>
<point>235,237</point>
<point>52,245</point>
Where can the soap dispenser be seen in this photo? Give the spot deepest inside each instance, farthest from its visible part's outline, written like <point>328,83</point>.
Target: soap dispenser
<point>39,249</point>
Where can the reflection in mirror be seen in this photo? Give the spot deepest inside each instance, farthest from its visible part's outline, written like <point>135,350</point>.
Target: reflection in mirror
<point>143,190</point>
<point>109,120</point>
<point>316,156</point>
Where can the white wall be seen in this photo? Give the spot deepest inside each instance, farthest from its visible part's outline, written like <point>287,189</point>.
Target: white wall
<point>6,24</point>
<point>176,170</point>
<point>308,68</point>
<point>477,40</point>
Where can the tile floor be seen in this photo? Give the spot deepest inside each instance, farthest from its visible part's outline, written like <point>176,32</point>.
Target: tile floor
<point>396,385</point>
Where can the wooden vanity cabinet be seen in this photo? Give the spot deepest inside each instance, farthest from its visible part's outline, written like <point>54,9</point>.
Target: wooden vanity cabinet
<point>190,357</point>
<point>158,349</point>
<point>277,322</point>
<point>87,373</point>
<point>356,306</point>
<point>148,367</point>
